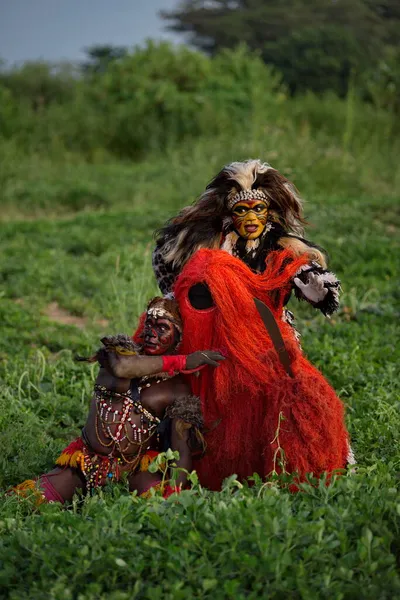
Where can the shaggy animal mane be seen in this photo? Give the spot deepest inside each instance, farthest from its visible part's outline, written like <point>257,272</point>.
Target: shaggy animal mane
<point>200,224</point>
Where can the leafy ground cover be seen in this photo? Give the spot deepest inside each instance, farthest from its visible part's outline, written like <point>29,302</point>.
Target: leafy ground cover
<point>78,236</point>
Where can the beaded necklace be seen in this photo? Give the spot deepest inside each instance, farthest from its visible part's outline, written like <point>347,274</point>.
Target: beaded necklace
<point>108,466</point>
<point>107,416</point>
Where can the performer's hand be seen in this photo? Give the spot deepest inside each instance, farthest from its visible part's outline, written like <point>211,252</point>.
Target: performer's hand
<point>206,357</point>
<point>314,289</point>
<point>116,354</point>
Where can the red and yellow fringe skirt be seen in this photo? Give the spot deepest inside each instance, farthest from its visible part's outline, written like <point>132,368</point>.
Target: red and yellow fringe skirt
<point>97,469</point>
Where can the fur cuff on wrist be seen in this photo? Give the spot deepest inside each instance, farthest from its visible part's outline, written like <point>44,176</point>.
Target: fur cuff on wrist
<point>330,303</point>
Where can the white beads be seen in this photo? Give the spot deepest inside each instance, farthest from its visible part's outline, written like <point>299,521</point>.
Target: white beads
<point>244,195</point>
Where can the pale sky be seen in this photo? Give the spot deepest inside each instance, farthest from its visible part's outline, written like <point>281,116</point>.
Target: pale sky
<point>59,29</point>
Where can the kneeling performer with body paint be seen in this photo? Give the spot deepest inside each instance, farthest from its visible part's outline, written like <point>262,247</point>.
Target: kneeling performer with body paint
<point>141,406</point>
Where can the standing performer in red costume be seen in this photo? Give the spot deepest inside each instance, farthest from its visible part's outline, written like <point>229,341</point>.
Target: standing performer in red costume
<point>259,416</point>
<point>243,239</point>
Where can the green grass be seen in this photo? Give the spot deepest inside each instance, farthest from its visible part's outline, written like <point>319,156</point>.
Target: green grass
<point>80,235</point>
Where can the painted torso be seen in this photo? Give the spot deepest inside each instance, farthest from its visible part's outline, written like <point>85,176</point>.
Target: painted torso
<point>139,418</point>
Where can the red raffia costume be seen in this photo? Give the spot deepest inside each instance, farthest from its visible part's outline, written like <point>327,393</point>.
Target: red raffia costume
<point>257,418</point>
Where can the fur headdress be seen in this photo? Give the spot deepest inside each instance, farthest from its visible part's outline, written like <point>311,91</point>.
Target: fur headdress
<point>201,224</point>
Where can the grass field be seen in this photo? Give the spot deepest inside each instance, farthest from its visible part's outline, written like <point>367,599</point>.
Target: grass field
<point>75,250</point>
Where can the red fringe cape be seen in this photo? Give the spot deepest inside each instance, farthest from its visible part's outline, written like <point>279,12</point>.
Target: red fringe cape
<point>257,418</point>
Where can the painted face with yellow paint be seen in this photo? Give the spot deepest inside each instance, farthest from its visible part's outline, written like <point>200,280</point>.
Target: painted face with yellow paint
<point>250,218</point>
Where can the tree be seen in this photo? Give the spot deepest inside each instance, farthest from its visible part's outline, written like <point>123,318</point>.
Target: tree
<point>101,56</point>
<point>316,44</point>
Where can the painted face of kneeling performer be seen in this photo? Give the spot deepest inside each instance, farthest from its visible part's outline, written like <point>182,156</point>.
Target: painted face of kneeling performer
<point>141,405</point>
<point>162,329</point>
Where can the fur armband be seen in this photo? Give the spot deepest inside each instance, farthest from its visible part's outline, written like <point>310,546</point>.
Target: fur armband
<point>186,412</point>
<point>187,409</point>
<point>120,344</point>
<point>330,303</point>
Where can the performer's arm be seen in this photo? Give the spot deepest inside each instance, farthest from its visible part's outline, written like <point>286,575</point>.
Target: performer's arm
<point>112,383</point>
<point>318,287</point>
<point>131,367</point>
<point>163,271</point>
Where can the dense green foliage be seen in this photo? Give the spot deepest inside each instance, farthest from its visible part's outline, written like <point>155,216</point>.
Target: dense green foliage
<point>316,44</point>
<point>75,244</point>
<point>151,99</point>
<point>241,543</point>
